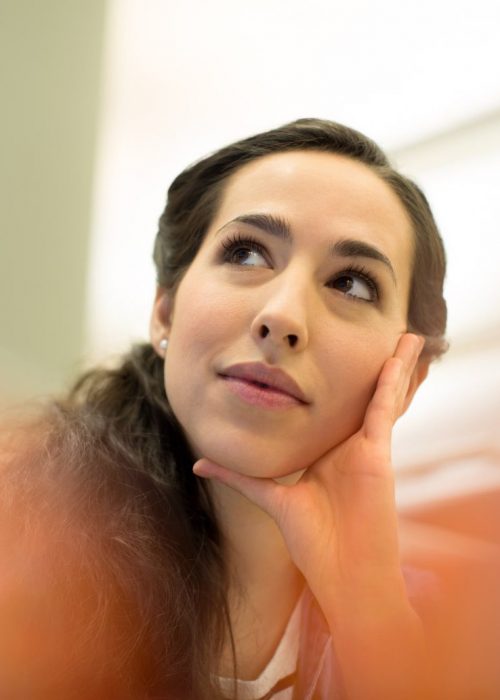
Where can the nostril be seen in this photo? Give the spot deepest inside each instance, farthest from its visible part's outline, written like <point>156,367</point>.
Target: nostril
<point>291,338</point>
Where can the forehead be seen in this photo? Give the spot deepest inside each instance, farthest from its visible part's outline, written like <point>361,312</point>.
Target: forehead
<point>322,195</point>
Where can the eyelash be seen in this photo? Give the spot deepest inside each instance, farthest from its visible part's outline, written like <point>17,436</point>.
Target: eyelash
<point>233,243</point>
<point>363,274</point>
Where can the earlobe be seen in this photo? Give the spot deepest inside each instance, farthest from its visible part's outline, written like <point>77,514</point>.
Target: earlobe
<point>161,315</point>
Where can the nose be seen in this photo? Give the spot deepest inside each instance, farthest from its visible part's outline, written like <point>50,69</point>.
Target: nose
<point>281,322</point>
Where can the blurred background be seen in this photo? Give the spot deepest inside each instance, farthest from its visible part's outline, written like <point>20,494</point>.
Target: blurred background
<point>104,102</point>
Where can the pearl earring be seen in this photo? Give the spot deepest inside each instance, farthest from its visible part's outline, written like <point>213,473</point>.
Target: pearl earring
<point>163,344</point>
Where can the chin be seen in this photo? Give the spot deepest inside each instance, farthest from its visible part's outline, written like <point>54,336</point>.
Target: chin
<point>262,463</point>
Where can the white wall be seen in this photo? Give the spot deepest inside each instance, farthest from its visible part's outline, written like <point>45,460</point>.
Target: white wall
<point>422,79</point>
<point>184,78</point>
<point>50,66</point>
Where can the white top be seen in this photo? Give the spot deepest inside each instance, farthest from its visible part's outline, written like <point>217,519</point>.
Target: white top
<point>282,664</point>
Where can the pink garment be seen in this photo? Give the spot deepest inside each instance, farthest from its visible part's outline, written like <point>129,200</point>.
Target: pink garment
<point>318,674</point>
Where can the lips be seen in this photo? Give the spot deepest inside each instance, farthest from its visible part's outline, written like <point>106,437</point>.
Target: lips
<point>267,377</point>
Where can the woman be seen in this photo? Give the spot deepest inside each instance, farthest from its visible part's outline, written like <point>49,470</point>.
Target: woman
<point>299,305</point>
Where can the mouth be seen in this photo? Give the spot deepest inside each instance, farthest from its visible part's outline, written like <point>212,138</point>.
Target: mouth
<point>265,380</point>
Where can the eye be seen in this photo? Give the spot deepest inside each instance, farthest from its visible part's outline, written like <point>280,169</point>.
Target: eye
<point>245,252</point>
<point>356,284</point>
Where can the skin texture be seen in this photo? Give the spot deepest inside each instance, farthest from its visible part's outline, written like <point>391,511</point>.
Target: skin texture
<point>335,519</point>
<point>219,310</point>
<point>339,525</point>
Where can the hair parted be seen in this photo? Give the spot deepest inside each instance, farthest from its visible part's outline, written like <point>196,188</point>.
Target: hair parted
<point>130,536</point>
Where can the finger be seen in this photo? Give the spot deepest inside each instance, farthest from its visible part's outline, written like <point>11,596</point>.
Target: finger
<point>408,350</point>
<point>265,493</point>
<point>391,390</point>
<point>379,418</point>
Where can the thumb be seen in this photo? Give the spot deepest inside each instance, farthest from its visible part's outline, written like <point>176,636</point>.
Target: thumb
<point>265,493</point>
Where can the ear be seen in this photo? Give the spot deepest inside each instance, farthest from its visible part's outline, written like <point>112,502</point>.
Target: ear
<point>419,374</point>
<point>161,316</point>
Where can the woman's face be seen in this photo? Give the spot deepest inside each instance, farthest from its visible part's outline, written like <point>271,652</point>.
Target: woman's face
<point>301,284</point>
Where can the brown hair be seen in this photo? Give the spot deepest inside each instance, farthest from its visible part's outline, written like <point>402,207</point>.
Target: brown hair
<point>194,196</point>
<point>132,545</point>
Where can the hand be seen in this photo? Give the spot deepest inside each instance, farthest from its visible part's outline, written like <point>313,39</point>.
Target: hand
<point>339,522</point>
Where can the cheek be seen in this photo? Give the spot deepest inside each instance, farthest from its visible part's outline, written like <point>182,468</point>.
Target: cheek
<point>199,318</point>
<point>346,364</point>
<point>352,368</point>
<point>204,311</point>
<point>203,325</point>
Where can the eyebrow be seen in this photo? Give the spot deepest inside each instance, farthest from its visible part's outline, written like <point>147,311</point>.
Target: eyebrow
<point>352,248</point>
<point>275,225</point>
<point>345,248</point>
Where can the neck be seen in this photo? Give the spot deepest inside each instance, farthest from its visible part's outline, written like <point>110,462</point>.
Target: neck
<point>256,551</point>
<point>264,583</point>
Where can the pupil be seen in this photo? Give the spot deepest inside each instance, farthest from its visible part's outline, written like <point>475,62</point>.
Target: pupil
<point>346,283</point>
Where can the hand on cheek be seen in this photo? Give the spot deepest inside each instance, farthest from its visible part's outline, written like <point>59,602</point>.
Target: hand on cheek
<point>339,522</point>
<point>351,481</point>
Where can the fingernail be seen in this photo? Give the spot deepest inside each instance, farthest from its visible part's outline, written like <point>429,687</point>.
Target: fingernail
<point>198,469</point>
<point>203,468</point>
